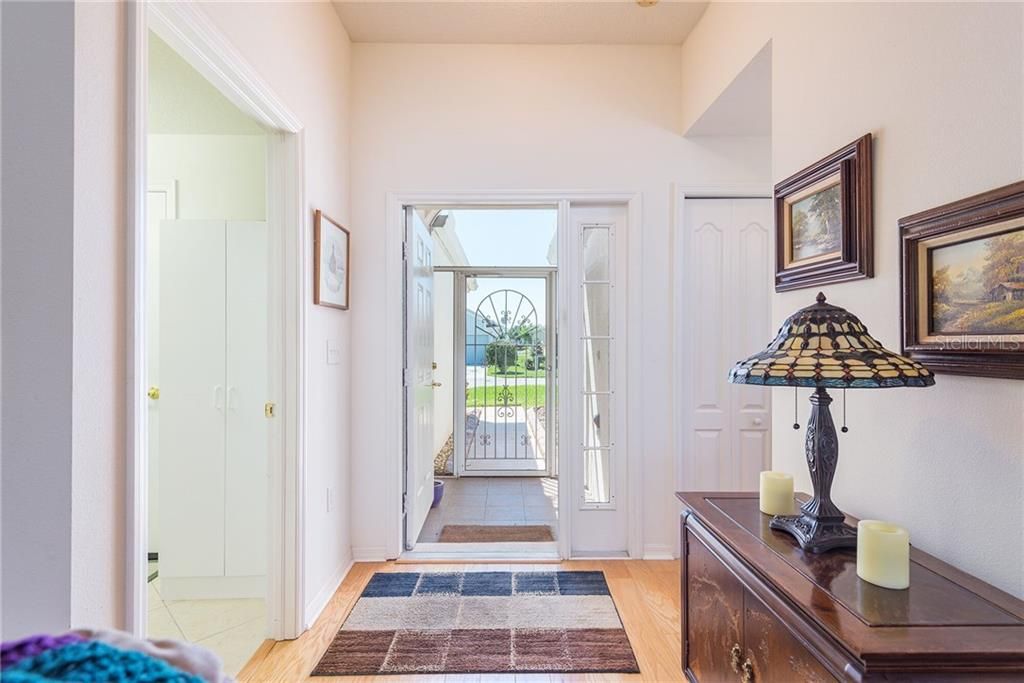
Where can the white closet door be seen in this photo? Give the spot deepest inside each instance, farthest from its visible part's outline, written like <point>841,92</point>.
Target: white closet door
<point>728,285</point>
<point>192,398</point>
<point>247,392</point>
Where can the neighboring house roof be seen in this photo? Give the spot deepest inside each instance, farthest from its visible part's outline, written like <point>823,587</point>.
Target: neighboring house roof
<point>1010,285</point>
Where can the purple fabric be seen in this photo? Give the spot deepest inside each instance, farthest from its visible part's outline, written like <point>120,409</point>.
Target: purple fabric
<point>13,652</point>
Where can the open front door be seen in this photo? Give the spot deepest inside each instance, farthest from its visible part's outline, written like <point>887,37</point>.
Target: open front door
<point>420,335</point>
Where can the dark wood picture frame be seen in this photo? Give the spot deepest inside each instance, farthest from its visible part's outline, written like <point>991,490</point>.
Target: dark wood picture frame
<point>854,259</point>
<point>959,354</point>
<point>319,217</point>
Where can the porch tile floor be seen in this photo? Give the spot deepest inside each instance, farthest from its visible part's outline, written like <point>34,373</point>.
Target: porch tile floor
<point>494,500</point>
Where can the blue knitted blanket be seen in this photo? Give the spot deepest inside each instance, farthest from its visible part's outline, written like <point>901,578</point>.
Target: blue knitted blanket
<point>70,659</point>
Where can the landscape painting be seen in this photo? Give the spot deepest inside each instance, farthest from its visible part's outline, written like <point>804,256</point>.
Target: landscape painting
<point>816,224</point>
<point>977,286</point>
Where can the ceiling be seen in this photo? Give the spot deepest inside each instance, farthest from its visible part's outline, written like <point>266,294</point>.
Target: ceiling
<point>534,22</point>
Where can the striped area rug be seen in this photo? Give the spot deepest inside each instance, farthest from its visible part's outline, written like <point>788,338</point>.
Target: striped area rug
<point>481,622</point>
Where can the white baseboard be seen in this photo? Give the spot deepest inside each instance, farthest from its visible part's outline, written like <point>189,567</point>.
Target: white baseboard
<point>323,596</point>
<point>212,587</point>
<point>657,551</point>
<point>369,553</point>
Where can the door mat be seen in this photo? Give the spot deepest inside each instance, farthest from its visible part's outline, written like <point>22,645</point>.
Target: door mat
<point>482,533</point>
<point>481,622</point>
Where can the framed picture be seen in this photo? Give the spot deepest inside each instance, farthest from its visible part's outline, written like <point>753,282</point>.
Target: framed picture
<point>331,257</point>
<point>963,285</point>
<point>823,229</point>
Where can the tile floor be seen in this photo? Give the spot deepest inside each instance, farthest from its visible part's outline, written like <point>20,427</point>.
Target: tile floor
<point>232,629</point>
<point>494,500</point>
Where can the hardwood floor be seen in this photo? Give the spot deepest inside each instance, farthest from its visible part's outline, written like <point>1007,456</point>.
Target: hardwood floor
<point>646,594</point>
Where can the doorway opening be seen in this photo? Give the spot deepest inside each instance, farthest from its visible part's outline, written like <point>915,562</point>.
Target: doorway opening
<point>482,317</point>
<point>209,364</point>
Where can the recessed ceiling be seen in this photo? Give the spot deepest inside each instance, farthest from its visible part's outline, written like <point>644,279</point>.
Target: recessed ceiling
<point>536,22</point>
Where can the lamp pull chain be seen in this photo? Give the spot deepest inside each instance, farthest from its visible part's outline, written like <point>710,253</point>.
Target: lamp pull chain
<point>844,428</point>
<point>796,396</point>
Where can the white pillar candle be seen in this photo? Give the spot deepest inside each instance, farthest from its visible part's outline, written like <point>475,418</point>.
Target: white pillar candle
<point>776,493</point>
<point>883,554</point>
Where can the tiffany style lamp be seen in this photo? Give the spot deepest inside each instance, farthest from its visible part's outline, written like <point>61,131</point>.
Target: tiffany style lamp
<point>825,347</point>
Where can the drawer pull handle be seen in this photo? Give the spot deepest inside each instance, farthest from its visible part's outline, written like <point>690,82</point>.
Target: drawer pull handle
<point>734,657</point>
<point>747,675</point>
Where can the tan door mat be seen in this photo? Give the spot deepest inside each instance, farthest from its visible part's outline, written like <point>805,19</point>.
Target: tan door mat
<point>482,533</point>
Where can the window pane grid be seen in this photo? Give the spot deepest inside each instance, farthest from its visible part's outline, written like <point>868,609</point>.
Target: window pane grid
<point>597,323</point>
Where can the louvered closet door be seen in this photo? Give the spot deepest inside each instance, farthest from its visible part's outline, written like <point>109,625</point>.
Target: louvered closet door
<point>192,398</point>
<point>245,492</point>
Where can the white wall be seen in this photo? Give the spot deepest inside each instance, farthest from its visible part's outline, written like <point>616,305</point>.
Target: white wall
<point>480,117</point>
<point>38,288</point>
<point>302,51</point>
<point>218,176</point>
<point>940,87</point>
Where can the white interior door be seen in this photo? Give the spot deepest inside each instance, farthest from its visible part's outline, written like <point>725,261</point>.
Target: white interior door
<point>727,308</point>
<point>420,475</point>
<point>192,397</point>
<point>159,206</point>
<point>247,436</point>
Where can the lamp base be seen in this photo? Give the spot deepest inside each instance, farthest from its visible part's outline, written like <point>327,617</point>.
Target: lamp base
<point>816,535</point>
<point>819,527</point>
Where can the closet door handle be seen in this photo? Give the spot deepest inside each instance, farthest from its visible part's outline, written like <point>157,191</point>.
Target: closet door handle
<point>218,398</point>
<point>232,392</point>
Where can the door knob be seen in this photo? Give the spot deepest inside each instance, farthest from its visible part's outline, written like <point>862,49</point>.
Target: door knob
<point>154,393</point>
<point>758,421</point>
<point>435,384</point>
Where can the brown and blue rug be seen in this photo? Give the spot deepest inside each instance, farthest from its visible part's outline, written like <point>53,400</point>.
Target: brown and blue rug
<point>481,622</point>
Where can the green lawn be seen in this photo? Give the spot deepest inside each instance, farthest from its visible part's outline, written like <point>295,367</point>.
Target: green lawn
<point>517,370</point>
<point>531,396</point>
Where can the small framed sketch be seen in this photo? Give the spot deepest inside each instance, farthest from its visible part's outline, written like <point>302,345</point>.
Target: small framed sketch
<point>331,257</point>
<point>823,221</point>
<point>963,285</point>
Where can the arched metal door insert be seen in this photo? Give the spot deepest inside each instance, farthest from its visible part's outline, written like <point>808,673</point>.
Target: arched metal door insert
<point>507,372</point>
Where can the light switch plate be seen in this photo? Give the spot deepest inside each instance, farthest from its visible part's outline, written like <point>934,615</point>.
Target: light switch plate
<point>333,353</point>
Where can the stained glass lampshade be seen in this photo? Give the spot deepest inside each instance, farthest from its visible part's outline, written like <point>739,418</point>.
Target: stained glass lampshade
<point>825,347</point>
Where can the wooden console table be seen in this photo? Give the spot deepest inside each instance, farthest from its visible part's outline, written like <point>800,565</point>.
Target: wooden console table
<point>757,609</point>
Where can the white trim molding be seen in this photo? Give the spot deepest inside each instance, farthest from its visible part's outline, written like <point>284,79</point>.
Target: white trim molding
<point>196,39</point>
<point>324,595</point>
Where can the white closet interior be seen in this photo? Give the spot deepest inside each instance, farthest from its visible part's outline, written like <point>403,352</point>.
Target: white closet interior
<point>213,439</point>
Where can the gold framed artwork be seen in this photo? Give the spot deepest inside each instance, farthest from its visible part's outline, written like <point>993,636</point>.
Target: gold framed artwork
<point>331,259</point>
<point>823,221</point>
<point>963,285</point>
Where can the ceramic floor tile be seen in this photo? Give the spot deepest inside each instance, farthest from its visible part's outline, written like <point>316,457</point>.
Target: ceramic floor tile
<point>236,645</point>
<point>161,625</point>
<point>464,515</point>
<point>541,513</point>
<point>504,500</point>
<point>155,601</point>
<point>505,514</point>
<point>199,619</point>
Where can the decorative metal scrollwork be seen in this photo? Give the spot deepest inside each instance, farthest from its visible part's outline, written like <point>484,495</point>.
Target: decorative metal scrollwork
<point>506,358</point>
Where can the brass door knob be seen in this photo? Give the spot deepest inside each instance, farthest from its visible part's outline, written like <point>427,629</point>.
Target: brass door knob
<point>435,384</point>
<point>153,393</point>
<point>747,673</point>
<point>734,657</point>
